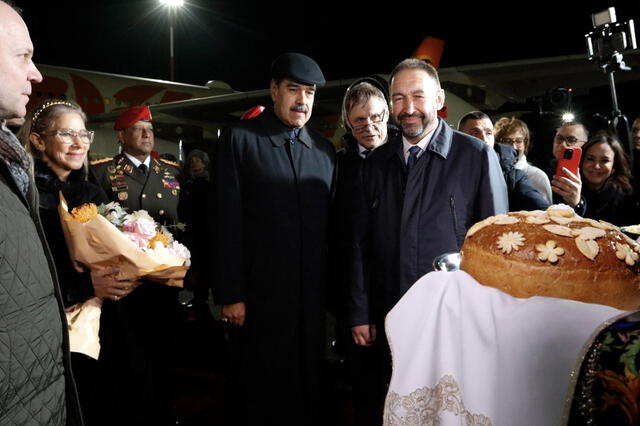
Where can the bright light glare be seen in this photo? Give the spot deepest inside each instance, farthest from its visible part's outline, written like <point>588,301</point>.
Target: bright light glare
<point>173,3</point>
<point>568,117</point>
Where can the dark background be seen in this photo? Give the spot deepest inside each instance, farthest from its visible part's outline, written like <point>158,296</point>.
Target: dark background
<point>235,41</point>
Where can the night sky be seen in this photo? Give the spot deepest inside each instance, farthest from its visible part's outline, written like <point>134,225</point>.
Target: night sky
<point>235,41</point>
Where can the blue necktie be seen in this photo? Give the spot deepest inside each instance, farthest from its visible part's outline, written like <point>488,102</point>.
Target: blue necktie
<point>413,157</point>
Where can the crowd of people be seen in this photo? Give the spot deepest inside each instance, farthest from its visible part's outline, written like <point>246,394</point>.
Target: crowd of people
<point>282,227</point>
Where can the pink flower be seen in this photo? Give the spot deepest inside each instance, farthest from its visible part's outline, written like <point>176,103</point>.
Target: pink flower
<point>137,239</point>
<point>146,228</point>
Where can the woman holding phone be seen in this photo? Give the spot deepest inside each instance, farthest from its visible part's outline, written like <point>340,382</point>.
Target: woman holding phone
<point>606,177</point>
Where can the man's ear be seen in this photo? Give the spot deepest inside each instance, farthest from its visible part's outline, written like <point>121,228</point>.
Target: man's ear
<point>36,142</point>
<point>440,99</point>
<point>274,90</point>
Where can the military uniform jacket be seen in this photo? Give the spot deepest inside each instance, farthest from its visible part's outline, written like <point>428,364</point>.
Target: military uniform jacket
<point>157,192</point>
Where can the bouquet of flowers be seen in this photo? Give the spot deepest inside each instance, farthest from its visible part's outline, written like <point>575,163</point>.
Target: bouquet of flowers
<point>106,236</point>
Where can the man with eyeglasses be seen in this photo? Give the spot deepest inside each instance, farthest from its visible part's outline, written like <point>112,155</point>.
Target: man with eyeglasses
<point>365,113</point>
<point>567,189</point>
<point>35,371</point>
<point>137,328</point>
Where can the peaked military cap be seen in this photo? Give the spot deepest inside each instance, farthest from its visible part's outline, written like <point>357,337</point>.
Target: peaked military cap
<point>299,68</point>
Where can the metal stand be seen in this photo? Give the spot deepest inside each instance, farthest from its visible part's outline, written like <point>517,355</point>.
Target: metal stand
<point>618,123</point>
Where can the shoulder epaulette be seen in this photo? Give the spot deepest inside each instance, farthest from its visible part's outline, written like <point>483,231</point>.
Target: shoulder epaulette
<point>171,163</point>
<point>101,161</point>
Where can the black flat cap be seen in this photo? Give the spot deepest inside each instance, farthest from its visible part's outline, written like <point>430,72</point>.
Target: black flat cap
<point>299,68</point>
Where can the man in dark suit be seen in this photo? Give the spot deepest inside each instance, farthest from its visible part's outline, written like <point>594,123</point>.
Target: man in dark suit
<point>365,112</point>
<point>135,330</point>
<point>420,193</point>
<point>273,179</point>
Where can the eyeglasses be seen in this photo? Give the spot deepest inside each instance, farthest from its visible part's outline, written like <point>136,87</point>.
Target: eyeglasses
<point>513,141</point>
<point>362,123</point>
<point>569,140</point>
<point>67,136</point>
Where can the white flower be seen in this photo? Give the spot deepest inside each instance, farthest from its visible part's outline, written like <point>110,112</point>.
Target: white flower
<point>549,251</point>
<point>510,241</point>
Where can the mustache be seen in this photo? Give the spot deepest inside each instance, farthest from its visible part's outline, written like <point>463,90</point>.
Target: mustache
<point>415,114</point>
<point>299,108</point>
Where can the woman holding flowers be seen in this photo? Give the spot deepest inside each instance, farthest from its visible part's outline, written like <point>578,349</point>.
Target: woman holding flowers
<point>55,134</point>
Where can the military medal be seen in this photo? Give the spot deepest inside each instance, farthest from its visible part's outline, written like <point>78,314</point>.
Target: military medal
<point>174,191</point>
<point>128,168</point>
<point>123,196</point>
<point>111,169</point>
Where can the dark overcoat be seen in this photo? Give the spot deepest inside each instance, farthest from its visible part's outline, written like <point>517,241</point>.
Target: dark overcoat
<point>272,204</point>
<point>405,221</point>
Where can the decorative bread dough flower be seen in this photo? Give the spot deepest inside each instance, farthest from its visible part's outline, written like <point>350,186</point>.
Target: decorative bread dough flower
<point>626,253</point>
<point>510,241</point>
<point>503,219</point>
<point>589,248</point>
<point>549,251</point>
<point>559,230</point>
<point>538,220</point>
<point>588,233</point>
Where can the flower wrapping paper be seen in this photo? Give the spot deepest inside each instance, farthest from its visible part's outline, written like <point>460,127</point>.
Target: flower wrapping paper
<point>97,244</point>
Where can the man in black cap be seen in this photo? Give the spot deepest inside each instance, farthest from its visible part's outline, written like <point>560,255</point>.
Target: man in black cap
<point>273,180</point>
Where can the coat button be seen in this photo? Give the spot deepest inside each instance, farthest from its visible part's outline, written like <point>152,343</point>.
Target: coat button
<point>144,195</point>
<point>159,195</point>
<point>161,212</point>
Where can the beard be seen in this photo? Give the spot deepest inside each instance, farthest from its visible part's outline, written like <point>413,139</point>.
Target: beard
<point>413,130</point>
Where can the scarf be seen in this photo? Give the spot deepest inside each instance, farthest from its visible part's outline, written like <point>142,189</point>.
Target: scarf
<point>16,158</point>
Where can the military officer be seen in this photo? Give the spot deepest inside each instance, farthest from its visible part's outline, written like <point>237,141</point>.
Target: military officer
<point>134,178</point>
<point>136,330</point>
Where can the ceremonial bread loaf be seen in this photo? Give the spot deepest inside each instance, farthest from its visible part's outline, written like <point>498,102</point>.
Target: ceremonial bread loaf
<point>557,254</point>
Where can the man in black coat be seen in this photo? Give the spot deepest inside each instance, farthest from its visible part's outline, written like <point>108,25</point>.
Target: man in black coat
<point>421,191</point>
<point>365,113</point>
<point>273,179</point>
<point>36,382</point>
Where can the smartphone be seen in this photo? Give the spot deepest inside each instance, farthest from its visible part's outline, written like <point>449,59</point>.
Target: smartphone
<point>569,159</point>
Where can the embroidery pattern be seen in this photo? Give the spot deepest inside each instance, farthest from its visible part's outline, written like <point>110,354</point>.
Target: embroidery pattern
<point>424,406</point>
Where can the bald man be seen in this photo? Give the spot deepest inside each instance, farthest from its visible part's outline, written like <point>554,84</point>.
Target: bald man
<point>35,376</point>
